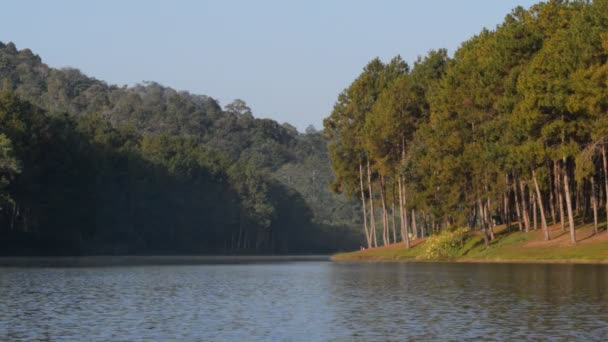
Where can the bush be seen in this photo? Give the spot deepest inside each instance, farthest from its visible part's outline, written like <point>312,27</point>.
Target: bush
<point>444,245</point>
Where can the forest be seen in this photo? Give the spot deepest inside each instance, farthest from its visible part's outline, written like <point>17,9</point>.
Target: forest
<point>512,129</point>
<point>89,168</point>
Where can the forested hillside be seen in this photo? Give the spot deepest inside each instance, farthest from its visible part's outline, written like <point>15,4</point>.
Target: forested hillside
<point>92,168</point>
<point>513,128</point>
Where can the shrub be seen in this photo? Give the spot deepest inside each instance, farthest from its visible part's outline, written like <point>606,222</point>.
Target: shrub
<point>444,245</point>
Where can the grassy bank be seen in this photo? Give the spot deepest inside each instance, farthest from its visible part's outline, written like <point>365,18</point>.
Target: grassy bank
<point>510,245</point>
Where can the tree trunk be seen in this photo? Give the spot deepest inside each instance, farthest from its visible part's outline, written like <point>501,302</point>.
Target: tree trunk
<point>483,224</point>
<point>401,223</point>
<point>505,206</point>
<point>423,227</point>
<point>600,196</point>
<point>473,221</point>
<point>585,205</point>
<point>404,234</point>
<point>489,219</point>
<point>594,204</point>
<point>577,200</point>
<point>605,162</point>
<point>375,237</point>
<point>14,216</point>
<point>414,225</point>
<point>385,236</point>
<point>568,202</point>
<point>524,206</point>
<point>405,218</point>
<point>372,220</point>
<point>505,209</point>
<point>543,220</point>
<point>393,212</point>
<point>518,208</point>
<point>506,200</point>
<point>534,211</point>
<point>551,203</point>
<point>393,220</point>
<point>368,236</point>
<point>560,198</point>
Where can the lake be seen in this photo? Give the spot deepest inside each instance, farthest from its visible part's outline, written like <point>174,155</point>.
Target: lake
<point>305,301</point>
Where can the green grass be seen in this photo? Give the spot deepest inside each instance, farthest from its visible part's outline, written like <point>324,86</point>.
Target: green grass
<point>471,243</point>
<point>508,246</point>
<point>394,252</point>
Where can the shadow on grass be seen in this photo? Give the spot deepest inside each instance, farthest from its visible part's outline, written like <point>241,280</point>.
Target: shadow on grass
<point>560,234</point>
<point>475,241</point>
<point>591,234</point>
<point>508,230</point>
<point>507,236</point>
<point>472,243</point>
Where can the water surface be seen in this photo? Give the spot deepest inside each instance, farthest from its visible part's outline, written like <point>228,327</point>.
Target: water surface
<point>302,301</point>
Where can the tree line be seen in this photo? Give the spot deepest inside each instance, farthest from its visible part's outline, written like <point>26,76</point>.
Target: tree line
<point>512,128</point>
<point>92,168</point>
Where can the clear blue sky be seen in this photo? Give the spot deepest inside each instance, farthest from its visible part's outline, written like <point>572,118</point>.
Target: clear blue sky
<point>288,60</point>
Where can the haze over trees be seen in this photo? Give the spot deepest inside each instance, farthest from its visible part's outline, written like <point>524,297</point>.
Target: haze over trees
<point>512,128</point>
<point>87,167</point>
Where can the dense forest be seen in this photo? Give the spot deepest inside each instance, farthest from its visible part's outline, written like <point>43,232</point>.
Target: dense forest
<point>91,168</point>
<point>513,128</point>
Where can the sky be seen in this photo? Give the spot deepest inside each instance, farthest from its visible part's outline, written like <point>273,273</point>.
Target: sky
<point>288,60</point>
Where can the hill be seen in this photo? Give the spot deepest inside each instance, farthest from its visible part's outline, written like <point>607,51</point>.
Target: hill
<point>93,168</point>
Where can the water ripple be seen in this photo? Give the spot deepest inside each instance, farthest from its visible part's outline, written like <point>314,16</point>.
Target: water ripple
<point>306,301</point>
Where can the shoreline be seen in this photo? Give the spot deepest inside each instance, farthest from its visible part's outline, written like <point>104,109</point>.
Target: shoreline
<point>509,247</point>
<point>475,261</point>
<point>150,260</point>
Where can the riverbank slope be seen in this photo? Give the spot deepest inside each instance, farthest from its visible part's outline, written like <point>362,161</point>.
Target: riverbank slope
<point>510,245</point>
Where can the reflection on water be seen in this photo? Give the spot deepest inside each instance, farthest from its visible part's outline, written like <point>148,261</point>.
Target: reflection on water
<point>306,301</point>
<point>474,301</point>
